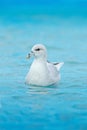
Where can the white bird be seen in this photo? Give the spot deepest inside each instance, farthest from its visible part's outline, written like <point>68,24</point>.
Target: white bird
<point>42,72</point>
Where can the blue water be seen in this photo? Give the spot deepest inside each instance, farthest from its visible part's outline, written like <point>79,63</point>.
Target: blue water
<point>60,107</point>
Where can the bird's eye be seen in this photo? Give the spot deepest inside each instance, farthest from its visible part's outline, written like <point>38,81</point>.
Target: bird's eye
<point>38,49</point>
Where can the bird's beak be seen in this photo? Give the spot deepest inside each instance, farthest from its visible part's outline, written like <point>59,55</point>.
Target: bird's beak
<point>29,55</point>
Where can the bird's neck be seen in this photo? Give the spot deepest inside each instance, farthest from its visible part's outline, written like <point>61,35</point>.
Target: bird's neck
<point>40,59</point>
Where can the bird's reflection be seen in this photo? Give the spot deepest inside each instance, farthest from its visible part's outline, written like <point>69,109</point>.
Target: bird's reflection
<point>41,89</point>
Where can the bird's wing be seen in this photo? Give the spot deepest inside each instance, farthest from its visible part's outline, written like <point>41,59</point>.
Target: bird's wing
<point>57,65</point>
<point>52,70</point>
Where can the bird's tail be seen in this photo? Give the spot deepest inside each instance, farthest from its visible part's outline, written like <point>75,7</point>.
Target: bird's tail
<point>59,65</point>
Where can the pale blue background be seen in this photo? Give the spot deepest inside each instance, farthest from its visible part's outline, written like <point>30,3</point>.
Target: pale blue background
<point>61,26</point>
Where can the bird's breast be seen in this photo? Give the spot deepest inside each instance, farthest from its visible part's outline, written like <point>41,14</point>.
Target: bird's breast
<point>38,74</point>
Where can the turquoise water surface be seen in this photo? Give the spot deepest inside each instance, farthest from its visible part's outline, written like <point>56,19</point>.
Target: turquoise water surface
<point>64,33</point>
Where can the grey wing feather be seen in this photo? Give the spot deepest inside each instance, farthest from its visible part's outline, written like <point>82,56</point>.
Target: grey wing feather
<point>57,64</point>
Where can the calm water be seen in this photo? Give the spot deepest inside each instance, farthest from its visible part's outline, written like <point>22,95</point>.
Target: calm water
<point>60,107</point>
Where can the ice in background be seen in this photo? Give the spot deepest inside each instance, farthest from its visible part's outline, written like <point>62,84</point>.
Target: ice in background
<point>62,27</point>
